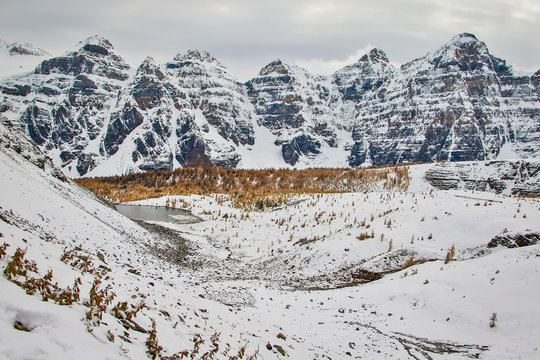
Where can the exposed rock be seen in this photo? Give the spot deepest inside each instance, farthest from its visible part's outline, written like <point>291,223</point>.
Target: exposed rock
<point>302,145</point>
<point>11,137</point>
<point>513,240</point>
<point>518,177</point>
<point>95,56</point>
<point>20,326</point>
<point>221,99</point>
<point>297,108</point>
<point>121,125</point>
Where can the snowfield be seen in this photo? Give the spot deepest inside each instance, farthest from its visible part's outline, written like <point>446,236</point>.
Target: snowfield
<point>293,282</point>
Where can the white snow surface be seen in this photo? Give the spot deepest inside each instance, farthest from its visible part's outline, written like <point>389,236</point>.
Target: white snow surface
<point>13,66</point>
<point>249,275</point>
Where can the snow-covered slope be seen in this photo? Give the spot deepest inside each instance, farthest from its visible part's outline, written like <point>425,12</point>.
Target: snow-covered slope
<point>94,114</point>
<point>47,216</point>
<point>313,256</point>
<point>61,227</point>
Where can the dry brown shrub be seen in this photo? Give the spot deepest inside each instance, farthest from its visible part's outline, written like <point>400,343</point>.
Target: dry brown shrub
<point>152,345</point>
<point>493,320</point>
<point>364,236</point>
<point>450,254</point>
<point>3,249</point>
<point>124,311</point>
<point>409,262</point>
<point>19,271</point>
<point>98,302</point>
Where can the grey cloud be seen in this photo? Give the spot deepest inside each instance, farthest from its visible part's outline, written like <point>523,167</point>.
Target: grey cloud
<point>246,34</point>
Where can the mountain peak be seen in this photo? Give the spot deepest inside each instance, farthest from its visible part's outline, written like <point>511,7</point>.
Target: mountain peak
<point>96,44</point>
<point>275,66</point>
<point>375,55</point>
<point>466,42</point>
<point>149,67</point>
<point>149,61</point>
<point>464,37</point>
<point>95,55</point>
<point>463,52</point>
<point>368,112</point>
<point>197,55</point>
<point>97,40</point>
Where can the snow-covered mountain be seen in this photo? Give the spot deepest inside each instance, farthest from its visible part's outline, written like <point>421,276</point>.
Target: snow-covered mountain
<point>456,103</point>
<point>94,114</point>
<point>91,111</point>
<point>297,108</point>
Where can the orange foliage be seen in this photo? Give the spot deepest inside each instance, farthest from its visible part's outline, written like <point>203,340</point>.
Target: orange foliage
<point>266,187</point>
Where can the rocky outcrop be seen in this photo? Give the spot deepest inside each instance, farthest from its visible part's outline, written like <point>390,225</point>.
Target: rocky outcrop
<point>518,177</point>
<point>514,240</point>
<point>300,145</point>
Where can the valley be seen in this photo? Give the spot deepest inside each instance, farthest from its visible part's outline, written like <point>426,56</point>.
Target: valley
<point>169,211</point>
<point>410,272</point>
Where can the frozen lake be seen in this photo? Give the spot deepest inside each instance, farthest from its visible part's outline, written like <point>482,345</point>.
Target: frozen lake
<point>157,213</point>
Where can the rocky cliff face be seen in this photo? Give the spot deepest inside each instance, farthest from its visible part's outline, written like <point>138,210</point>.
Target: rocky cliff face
<point>220,117</point>
<point>457,103</point>
<point>296,107</point>
<point>95,115</point>
<point>66,103</point>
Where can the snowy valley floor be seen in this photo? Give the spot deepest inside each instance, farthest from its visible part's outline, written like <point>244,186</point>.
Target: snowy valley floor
<point>298,271</point>
<point>329,276</point>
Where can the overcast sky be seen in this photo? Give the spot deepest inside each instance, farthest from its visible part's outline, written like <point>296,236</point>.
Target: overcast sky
<point>245,35</point>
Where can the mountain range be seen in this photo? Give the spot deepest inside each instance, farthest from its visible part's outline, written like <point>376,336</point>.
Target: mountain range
<point>94,114</point>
